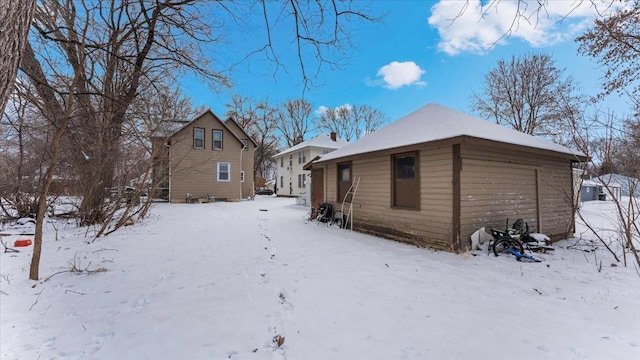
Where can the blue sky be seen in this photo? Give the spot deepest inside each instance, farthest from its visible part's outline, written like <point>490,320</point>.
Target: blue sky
<point>415,56</point>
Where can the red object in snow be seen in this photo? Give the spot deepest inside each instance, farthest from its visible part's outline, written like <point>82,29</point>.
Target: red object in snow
<point>23,242</point>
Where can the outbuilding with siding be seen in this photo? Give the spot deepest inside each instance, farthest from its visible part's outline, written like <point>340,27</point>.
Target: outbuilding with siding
<point>436,175</point>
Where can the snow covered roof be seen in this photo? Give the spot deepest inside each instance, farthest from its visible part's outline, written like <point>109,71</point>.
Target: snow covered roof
<point>593,182</point>
<point>321,141</point>
<point>627,184</point>
<point>169,127</point>
<point>436,122</point>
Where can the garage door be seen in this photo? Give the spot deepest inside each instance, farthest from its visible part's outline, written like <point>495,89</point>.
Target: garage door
<point>492,192</point>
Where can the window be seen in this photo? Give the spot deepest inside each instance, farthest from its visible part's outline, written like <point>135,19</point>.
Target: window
<point>245,144</point>
<point>241,176</point>
<point>290,161</point>
<point>224,171</point>
<point>302,158</point>
<point>198,138</point>
<point>302,181</point>
<point>281,182</point>
<point>344,181</point>
<point>281,162</point>
<point>406,184</point>
<point>325,151</point>
<point>217,139</point>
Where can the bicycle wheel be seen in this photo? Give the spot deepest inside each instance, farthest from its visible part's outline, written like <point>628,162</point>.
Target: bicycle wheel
<point>503,245</point>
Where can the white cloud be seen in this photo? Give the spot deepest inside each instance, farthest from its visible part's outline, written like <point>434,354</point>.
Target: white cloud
<point>470,26</point>
<point>322,110</point>
<point>398,74</point>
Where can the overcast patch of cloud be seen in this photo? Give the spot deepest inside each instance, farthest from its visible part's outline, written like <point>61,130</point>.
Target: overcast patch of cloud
<point>470,26</point>
<point>398,74</point>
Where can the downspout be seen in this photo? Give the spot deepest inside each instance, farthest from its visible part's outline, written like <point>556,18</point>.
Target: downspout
<point>241,167</point>
<point>169,146</point>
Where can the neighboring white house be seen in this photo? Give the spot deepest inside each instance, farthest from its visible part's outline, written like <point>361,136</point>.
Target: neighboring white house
<point>291,179</point>
<point>596,189</point>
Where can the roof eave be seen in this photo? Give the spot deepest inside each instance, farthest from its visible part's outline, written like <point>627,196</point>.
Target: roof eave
<point>461,139</point>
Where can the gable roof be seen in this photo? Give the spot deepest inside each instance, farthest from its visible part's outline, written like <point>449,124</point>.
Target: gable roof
<point>208,111</point>
<point>435,122</point>
<point>231,120</point>
<point>320,141</point>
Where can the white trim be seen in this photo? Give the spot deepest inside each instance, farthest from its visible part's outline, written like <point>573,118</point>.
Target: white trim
<point>228,171</point>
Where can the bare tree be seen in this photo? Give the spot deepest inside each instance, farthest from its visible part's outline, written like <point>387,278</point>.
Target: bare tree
<point>621,237</point>
<point>529,94</point>
<point>294,120</point>
<point>320,32</point>
<point>88,61</point>
<point>20,154</point>
<point>137,41</point>
<point>259,120</point>
<point>351,122</point>
<point>615,42</point>
<point>104,65</point>
<point>14,28</point>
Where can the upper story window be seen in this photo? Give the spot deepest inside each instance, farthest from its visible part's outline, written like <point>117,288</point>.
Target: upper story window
<point>325,151</point>
<point>290,161</point>
<point>302,157</point>
<point>198,138</point>
<point>245,144</point>
<point>217,139</point>
<point>282,161</point>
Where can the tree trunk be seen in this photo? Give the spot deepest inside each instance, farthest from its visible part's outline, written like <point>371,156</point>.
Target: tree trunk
<point>14,28</point>
<point>59,119</point>
<point>42,201</point>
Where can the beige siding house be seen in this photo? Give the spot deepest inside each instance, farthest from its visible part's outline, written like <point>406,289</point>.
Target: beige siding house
<point>204,159</point>
<point>436,175</point>
<point>248,155</point>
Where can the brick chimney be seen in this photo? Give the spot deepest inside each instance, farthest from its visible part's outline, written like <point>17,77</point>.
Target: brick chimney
<point>333,135</point>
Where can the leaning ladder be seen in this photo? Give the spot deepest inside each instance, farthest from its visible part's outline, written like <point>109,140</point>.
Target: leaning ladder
<point>348,215</point>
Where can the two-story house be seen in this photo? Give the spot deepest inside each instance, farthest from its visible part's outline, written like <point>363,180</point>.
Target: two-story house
<point>206,158</point>
<point>291,179</point>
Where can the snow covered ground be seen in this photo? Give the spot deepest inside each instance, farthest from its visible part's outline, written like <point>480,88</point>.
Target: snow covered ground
<point>232,280</point>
